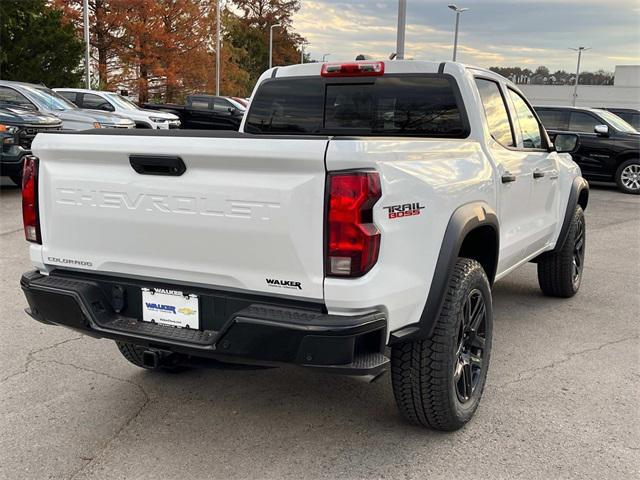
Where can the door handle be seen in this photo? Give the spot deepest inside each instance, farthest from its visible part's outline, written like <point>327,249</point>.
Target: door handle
<point>538,174</point>
<point>508,178</point>
<point>157,165</point>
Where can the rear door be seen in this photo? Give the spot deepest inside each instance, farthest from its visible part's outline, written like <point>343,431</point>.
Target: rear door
<point>246,214</point>
<point>515,174</point>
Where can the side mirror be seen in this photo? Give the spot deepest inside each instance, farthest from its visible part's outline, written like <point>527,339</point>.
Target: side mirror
<point>566,142</point>
<point>602,130</point>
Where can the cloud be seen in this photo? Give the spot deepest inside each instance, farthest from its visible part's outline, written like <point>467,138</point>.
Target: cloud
<point>493,32</point>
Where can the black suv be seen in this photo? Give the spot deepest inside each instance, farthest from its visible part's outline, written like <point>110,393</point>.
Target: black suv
<point>609,147</point>
<point>629,115</point>
<point>18,127</point>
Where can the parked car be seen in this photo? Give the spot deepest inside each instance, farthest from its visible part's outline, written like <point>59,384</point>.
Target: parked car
<point>45,100</point>
<point>18,127</point>
<point>113,102</point>
<point>629,115</point>
<point>205,112</point>
<point>363,208</point>
<point>609,148</point>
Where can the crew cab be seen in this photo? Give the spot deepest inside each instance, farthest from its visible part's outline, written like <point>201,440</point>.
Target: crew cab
<point>204,112</point>
<point>114,102</point>
<point>609,148</point>
<point>355,225</point>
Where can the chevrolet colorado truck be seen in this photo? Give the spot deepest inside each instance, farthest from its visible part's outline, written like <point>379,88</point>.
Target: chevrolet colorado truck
<point>355,224</point>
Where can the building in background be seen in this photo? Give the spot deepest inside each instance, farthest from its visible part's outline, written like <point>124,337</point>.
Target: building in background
<point>624,93</point>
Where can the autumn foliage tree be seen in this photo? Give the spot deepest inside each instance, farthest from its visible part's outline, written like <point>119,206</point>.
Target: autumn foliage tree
<point>165,49</point>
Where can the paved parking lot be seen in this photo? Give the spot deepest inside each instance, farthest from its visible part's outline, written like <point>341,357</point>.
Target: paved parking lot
<point>561,399</point>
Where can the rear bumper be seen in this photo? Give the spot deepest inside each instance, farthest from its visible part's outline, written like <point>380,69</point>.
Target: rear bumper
<point>256,332</point>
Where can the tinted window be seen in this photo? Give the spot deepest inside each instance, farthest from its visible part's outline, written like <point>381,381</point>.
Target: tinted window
<point>9,95</point>
<point>95,102</point>
<point>390,105</point>
<point>529,126</point>
<point>71,96</point>
<point>220,105</point>
<point>553,119</point>
<point>495,111</point>
<point>582,122</point>
<point>292,106</point>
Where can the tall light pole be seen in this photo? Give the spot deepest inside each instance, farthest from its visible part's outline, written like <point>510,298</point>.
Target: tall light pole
<point>575,87</point>
<point>302,52</point>
<point>324,57</point>
<point>402,26</point>
<point>458,11</point>
<point>85,19</point>
<point>271,43</point>
<point>218,48</point>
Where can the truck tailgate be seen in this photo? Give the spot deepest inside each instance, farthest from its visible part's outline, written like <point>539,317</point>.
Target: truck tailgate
<point>246,214</point>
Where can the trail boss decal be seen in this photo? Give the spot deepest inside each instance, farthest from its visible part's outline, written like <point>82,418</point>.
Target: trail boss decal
<point>404,210</point>
<point>284,284</point>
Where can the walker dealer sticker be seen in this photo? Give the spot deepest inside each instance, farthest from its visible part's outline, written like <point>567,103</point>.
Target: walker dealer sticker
<point>170,307</point>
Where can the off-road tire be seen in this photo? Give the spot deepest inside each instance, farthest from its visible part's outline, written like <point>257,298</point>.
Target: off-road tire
<point>556,270</point>
<point>422,372</point>
<point>631,163</point>
<point>133,353</point>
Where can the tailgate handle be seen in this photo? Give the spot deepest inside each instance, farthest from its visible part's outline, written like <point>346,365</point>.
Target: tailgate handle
<point>157,165</point>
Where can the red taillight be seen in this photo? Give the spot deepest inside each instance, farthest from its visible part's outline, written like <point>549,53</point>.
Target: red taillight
<point>354,69</point>
<point>353,239</point>
<point>30,199</point>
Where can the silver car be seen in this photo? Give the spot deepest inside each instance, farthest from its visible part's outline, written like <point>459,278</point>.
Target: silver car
<point>43,99</point>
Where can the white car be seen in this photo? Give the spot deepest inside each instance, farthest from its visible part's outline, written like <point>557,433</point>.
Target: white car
<point>114,102</point>
<point>355,224</point>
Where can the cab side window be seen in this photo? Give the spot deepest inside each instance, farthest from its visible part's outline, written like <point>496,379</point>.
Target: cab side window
<point>529,127</point>
<point>582,122</point>
<point>71,96</point>
<point>495,112</point>
<point>10,96</point>
<point>95,102</point>
<point>553,119</point>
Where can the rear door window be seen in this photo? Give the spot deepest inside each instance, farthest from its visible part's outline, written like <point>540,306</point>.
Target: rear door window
<point>553,119</point>
<point>582,122</point>
<point>393,105</point>
<point>71,96</point>
<point>495,112</point>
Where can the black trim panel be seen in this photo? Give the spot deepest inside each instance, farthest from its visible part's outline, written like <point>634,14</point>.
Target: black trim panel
<point>579,185</point>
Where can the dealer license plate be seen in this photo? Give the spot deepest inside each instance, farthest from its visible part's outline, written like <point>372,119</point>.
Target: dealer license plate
<point>170,307</point>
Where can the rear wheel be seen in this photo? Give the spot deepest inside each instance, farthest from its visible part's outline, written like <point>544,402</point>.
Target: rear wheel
<point>135,354</point>
<point>628,176</point>
<point>438,382</point>
<point>560,272</point>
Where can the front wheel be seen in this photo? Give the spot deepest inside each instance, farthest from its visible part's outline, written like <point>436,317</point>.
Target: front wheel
<point>560,272</point>
<point>438,382</point>
<point>628,176</point>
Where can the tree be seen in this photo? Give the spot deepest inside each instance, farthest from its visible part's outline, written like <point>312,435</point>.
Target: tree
<point>250,34</point>
<point>37,46</point>
<point>106,21</point>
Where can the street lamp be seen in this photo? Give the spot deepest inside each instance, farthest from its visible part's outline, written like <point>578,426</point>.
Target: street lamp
<point>458,11</point>
<point>402,26</point>
<point>218,47</point>
<point>85,19</point>
<point>271,43</point>
<point>575,87</point>
<point>302,45</point>
<point>324,57</point>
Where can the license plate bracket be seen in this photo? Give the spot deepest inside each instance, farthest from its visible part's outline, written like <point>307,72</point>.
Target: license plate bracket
<point>170,307</point>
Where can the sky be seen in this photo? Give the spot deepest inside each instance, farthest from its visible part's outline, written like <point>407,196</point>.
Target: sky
<point>525,33</point>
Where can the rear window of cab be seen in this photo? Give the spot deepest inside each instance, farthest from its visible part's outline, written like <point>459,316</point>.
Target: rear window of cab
<point>389,105</point>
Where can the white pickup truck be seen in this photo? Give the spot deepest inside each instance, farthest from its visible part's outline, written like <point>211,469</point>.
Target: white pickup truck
<point>355,224</point>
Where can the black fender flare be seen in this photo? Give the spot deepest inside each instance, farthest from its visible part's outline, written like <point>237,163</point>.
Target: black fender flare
<point>464,220</point>
<point>579,190</point>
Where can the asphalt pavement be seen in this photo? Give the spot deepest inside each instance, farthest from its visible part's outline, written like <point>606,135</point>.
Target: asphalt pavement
<point>561,399</point>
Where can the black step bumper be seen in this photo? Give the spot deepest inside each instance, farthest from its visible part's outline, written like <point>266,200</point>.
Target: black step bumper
<point>251,332</point>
